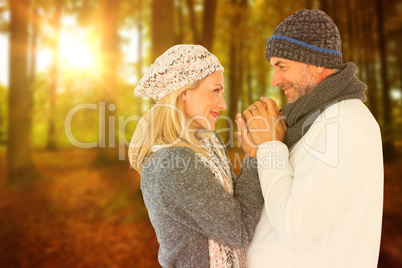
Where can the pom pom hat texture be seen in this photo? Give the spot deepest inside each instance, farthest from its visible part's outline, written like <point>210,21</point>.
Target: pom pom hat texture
<point>308,36</point>
<point>178,67</point>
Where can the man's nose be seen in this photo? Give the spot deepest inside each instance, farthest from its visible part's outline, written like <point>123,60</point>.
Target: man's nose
<point>276,79</point>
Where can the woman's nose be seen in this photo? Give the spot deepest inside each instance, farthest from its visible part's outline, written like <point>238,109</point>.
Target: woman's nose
<point>222,103</point>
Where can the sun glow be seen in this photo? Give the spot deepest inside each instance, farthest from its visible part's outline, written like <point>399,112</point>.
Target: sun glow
<point>77,51</point>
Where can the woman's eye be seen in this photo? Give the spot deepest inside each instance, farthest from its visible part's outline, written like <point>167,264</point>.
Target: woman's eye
<point>217,90</point>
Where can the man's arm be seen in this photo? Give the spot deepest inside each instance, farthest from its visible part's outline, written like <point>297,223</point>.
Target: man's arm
<point>302,200</point>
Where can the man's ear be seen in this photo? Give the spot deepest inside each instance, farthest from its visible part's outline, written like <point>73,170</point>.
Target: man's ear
<point>319,69</point>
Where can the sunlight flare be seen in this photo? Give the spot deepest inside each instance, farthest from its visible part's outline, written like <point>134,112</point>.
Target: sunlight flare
<point>77,52</point>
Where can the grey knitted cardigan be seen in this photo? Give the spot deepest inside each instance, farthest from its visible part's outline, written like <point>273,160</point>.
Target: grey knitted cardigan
<point>187,205</point>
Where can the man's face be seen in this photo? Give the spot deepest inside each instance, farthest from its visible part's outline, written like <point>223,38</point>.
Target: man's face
<point>295,78</point>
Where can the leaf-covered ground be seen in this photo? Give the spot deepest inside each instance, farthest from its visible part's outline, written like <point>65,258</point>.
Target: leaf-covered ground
<point>79,215</point>
<point>76,216</point>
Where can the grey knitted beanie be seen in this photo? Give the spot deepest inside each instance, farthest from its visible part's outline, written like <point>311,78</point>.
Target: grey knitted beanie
<point>308,36</point>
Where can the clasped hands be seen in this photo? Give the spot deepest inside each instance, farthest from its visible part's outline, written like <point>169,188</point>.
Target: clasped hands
<point>262,122</point>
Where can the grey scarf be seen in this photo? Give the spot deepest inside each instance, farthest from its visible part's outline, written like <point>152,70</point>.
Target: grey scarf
<point>301,114</point>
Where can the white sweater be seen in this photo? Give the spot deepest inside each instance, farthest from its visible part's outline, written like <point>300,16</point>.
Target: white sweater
<point>324,197</point>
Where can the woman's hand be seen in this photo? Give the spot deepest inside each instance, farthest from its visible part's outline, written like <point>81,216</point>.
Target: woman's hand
<point>265,122</point>
<point>243,136</point>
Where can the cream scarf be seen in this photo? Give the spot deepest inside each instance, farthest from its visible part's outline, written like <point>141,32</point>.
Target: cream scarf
<point>220,255</point>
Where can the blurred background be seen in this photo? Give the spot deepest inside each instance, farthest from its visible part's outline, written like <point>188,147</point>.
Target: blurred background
<point>68,197</point>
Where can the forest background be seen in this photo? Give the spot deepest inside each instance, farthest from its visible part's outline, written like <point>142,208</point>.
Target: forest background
<point>67,111</point>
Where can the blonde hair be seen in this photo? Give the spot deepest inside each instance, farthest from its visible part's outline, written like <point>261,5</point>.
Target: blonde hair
<point>164,124</point>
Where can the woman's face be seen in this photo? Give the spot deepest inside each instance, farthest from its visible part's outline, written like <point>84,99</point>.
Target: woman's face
<point>203,104</point>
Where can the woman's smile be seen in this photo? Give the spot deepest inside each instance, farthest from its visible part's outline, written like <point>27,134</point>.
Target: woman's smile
<point>215,115</point>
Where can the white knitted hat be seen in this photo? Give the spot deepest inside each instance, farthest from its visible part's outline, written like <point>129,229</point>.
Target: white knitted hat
<point>178,67</point>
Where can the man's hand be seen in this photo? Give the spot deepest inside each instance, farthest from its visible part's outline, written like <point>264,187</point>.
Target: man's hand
<point>265,122</point>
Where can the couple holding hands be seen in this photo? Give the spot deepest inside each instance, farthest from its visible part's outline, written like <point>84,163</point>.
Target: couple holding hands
<point>322,207</point>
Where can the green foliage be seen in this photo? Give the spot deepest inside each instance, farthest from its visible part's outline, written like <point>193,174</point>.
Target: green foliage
<point>84,90</point>
<point>73,92</point>
<point>129,110</point>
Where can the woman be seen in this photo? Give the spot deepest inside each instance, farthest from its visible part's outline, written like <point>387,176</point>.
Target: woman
<point>202,214</point>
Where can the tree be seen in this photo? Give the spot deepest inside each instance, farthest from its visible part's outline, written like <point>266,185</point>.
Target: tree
<point>370,56</point>
<point>180,24</point>
<point>20,166</point>
<point>193,21</point>
<point>309,4</point>
<point>206,37</point>
<point>109,68</point>
<point>208,23</point>
<point>324,6</point>
<point>388,148</point>
<point>140,38</point>
<point>162,27</point>
<point>34,16</point>
<point>54,84</point>
<point>235,87</point>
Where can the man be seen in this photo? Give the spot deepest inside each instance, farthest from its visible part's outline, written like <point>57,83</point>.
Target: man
<point>322,181</point>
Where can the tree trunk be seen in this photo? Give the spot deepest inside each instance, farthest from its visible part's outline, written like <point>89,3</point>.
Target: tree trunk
<point>324,6</point>
<point>233,62</point>
<point>241,55</point>
<point>262,73</point>
<point>162,27</point>
<point>232,81</point>
<point>110,62</point>
<point>180,23</point>
<point>309,4</point>
<point>350,33</point>
<point>383,63</point>
<point>33,42</point>
<point>400,74</point>
<point>208,23</point>
<point>54,84</point>
<point>193,21</point>
<point>249,80</point>
<point>359,48</point>
<point>20,166</point>
<point>370,57</point>
<point>140,39</point>
<point>389,151</point>
<point>139,52</point>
